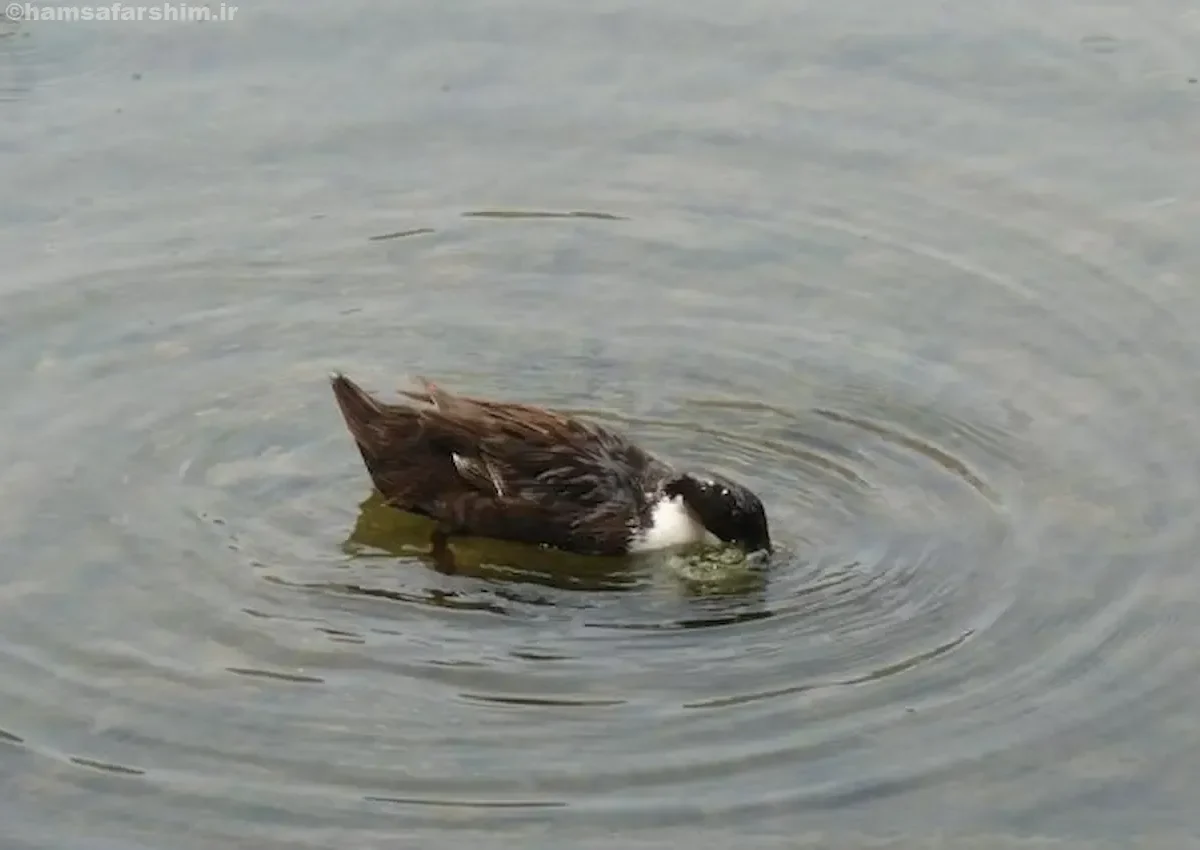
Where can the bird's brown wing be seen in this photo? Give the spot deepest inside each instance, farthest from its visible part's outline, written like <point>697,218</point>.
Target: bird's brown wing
<point>544,456</point>
<point>498,469</point>
<point>519,420</point>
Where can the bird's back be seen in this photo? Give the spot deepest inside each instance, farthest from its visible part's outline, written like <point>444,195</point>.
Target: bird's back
<point>503,469</point>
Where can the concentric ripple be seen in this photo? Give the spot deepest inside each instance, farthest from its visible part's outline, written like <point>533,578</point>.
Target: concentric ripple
<point>257,635</point>
<point>899,285</point>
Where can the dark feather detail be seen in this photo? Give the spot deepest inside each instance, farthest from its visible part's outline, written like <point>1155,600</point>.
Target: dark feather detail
<point>503,470</point>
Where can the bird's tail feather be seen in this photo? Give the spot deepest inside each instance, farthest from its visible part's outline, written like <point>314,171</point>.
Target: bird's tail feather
<point>360,410</point>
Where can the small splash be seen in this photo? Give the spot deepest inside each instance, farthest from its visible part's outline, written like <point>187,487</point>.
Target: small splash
<point>715,570</point>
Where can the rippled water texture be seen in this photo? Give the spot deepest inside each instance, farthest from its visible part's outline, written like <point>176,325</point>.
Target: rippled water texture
<point>924,277</point>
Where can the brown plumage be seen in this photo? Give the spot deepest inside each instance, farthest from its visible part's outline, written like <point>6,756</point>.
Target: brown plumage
<point>518,472</point>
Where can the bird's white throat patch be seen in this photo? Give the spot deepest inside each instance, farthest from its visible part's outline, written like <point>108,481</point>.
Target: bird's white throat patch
<point>672,523</point>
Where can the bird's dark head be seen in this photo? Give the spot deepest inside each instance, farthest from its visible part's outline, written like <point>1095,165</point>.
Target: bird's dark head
<point>727,509</point>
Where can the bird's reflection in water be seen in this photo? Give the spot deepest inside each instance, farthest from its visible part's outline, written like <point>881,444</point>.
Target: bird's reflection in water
<point>386,533</point>
<point>382,531</point>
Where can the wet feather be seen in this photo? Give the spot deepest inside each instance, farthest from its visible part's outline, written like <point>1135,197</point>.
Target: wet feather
<point>502,469</point>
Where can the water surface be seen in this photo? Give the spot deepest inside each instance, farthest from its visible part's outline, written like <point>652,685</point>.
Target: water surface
<point>923,277</point>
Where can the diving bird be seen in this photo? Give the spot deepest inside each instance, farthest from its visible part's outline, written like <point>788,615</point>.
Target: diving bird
<point>518,472</point>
